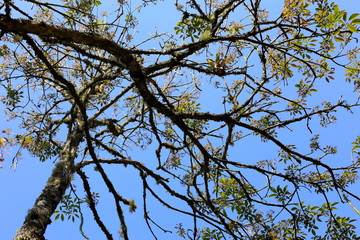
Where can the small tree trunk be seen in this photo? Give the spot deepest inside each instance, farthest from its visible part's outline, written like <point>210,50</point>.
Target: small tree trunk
<point>38,217</point>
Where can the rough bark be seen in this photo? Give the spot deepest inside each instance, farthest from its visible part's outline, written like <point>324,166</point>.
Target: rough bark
<point>38,217</point>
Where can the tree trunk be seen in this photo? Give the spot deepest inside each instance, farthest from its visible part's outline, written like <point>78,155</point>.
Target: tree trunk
<point>38,217</point>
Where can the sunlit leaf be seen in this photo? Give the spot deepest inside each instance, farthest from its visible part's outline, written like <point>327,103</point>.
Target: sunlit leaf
<point>339,39</point>
<point>2,142</point>
<point>353,16</point>
<point>352,28</point>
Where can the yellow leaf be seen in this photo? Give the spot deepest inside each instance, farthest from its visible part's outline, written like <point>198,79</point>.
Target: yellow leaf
<point>352,28</point>
<point>2,142</point>
<point>338,39</point>
<point>353,16</point>
<point>355,21</point>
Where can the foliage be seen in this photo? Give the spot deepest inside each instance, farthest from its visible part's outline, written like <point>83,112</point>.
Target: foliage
<point>221,114</point>
<point>68,207</point>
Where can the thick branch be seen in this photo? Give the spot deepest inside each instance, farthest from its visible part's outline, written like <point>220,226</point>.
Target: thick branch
<point>38,217</point>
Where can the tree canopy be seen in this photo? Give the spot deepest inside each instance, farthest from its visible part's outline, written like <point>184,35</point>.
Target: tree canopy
<point>184,113</point>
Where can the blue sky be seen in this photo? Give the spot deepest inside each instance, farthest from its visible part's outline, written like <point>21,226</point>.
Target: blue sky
<point>20,187</point>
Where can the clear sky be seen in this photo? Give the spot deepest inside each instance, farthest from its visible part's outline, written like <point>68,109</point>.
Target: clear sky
<point>20,187</point>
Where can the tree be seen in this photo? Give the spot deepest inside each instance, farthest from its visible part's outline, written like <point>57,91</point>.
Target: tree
<point>90,89</point>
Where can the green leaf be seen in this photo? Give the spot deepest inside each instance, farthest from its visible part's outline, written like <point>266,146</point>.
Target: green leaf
<point>205,35</point>
<point>352,28</point>
<point>338,39</point>
<point>354,16</point>
<point>356,21</point>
